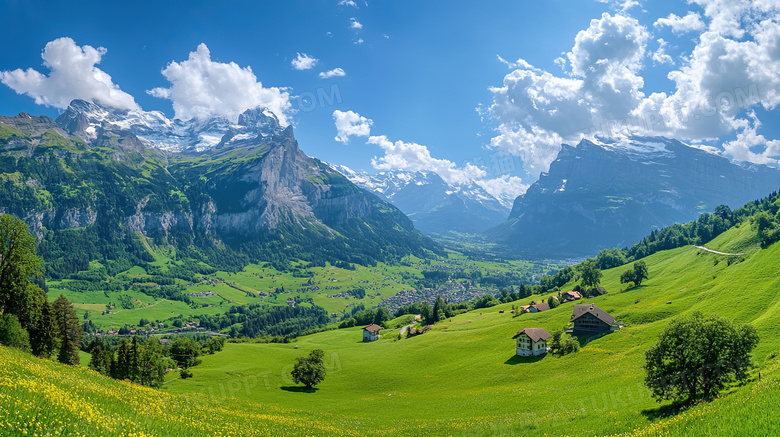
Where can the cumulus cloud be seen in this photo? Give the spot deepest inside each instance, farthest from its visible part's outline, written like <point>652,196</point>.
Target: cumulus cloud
<point>355,24</point>
<point>347,3</point>
<point>349,124</point>
<point>400,155</point>
<point>537,110</point>
<point>72,75</point>
<point>734,66</point>
<point>748,139</point>
<point>689,23</point>
<point>660,56</point>
<point>336,72</point>
<point>304,62</point>
<point>202,88</point>
<point>505,188</point>
<point>722,77</point>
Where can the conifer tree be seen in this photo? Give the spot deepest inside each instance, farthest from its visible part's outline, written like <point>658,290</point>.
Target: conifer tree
<point>69,331</point>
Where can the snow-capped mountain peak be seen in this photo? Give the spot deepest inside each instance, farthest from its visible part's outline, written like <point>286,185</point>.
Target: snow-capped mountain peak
<point>434,205</point>
<point>154,129</point>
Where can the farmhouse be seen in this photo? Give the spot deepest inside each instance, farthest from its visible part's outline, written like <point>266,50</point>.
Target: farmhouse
<point>589,319</point>
<point>597,291</point>
<point>371,332</point>
<point>538,307</point>
<point>570,296</point>
<point>531,341</point>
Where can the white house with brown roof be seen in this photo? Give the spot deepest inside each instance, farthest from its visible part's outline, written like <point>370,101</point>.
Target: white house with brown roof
<point>371,332</point>
<point>531,341</point>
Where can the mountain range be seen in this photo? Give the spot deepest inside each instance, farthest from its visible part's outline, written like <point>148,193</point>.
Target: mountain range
<point>610,193</point>
<point>93,181</point>
<point>434,206</point>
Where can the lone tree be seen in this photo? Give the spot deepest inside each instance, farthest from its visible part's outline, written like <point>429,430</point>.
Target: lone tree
<point>310,370</point>
<point>696,356</point>
<point>637,275</point>
<point>590,273</point>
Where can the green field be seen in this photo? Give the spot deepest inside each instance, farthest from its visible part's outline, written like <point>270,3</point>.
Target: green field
<point>263,284</point>
<point>461,378</point>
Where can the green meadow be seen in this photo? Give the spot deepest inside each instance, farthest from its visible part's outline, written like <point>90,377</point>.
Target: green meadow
<point>463,378</point>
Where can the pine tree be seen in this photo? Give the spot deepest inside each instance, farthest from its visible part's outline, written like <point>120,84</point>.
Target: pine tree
<point>102,360</point>
<point>122,364</point>
<point>69,331</point>
<point>43,329</point>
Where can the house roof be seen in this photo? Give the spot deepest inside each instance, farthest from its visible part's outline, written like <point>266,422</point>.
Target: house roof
<point>572,294</point>
<point>535,334</point>
<point>581,310</point>
<point>372,328</point>
<point>541,306</point>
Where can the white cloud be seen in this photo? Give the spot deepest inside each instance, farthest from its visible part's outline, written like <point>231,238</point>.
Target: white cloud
<point>336,72</point>
<point>201,88</point>
<point>505,188</point>
<point>359,41</point>
<point>416,157</point>
<point>537,110</point>
<point>660,56</point>
<point>355,24</point>
<point>350,123</point>
<point>347,3</point>
<point>720,78</point>
<point>72,75</point>
<point>748,139</point>
<point>689,23</point>
<point>304,62</point>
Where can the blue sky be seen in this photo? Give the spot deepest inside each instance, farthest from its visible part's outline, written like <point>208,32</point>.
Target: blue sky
<point>480,92</point>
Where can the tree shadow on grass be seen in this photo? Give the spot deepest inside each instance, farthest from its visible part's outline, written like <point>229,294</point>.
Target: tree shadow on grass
<point>634,288</point>
<point>299,389</point>
<point>665,411</point>
<point>517,359</point>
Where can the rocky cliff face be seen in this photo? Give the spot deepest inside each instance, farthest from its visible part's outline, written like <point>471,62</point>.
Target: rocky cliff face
<point>611,194</point>
<point>111,174</point>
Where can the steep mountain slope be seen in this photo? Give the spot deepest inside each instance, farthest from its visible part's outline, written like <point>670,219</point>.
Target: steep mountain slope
<point>610,194</point>
<point>86,187</point>
<point>435,206</point>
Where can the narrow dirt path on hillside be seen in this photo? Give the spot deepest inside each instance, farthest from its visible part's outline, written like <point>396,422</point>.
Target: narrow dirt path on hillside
<point>719,253</point>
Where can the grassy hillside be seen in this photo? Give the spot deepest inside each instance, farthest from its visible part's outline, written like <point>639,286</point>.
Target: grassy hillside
<point>461,378</point>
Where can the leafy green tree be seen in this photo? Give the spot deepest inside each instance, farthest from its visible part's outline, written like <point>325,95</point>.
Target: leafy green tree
<point>152,364</point>
<point>69,329</point>
<point>310,370</point>
<point>590,274</point>
<point>640,272</point>
<point>382,315</point>
<point>18,262</point>
<point>12,334</point>
<point>610,258</point>
<point>555,342</point>
<point>552,302</point>
<point>696,356</point>
<point>185,351</point>
<point>627,277</point>
<point>102,360</point>
<point>636,275</point>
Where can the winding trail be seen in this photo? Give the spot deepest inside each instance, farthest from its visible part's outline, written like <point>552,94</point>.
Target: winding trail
<point>716,252</point>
